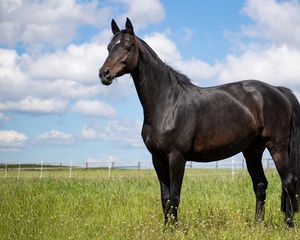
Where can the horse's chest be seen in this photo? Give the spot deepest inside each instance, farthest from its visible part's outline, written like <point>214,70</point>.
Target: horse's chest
<point>152,140</point>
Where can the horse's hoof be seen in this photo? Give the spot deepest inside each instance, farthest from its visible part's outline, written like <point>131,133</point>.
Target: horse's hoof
<point>289,222</point>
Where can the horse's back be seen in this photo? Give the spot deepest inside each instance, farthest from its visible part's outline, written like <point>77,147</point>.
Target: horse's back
<point>266,102</point>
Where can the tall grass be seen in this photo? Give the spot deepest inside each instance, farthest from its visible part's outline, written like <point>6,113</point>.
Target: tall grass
<point>127,206</point>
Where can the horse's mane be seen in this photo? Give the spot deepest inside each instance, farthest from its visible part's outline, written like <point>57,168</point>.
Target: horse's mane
<point>176,77</point>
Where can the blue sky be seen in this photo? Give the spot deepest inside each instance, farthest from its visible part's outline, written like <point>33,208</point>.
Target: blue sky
<point>52,105</point>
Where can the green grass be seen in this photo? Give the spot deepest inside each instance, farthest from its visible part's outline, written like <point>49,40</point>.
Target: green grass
<point>127,206</point>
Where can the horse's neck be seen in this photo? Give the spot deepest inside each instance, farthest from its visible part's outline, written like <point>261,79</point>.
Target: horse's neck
<point>152,84</point>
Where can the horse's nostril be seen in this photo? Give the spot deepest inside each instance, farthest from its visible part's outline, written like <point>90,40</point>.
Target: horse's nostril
<point>106,72</point>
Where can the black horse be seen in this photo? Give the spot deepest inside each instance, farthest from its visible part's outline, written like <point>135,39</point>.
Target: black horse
<point>183,122</point>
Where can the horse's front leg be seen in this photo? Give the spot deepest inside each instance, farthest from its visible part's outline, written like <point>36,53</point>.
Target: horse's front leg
<point>161,167</point>
<point>176,168</point>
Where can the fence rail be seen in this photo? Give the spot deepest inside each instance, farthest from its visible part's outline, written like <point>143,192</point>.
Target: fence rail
<point>69,167</point>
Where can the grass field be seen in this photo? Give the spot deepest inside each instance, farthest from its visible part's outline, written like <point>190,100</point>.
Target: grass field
<point>127,206</point>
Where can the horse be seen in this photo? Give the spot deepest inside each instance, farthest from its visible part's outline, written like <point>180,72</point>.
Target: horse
<point>184,122</point>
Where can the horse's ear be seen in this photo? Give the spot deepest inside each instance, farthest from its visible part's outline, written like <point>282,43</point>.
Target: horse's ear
<point>129,27</point>
<point>114,27</point>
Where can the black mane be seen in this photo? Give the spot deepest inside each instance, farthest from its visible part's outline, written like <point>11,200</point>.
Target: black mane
<point>176,77</point>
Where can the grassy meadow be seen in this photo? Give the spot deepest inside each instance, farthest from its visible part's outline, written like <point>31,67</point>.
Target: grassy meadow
<point>214,205</point>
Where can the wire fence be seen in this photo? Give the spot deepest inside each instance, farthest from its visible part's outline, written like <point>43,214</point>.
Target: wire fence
<point>111,168</point>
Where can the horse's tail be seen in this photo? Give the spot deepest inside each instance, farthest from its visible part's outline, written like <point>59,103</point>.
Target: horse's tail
<point>294,141</point>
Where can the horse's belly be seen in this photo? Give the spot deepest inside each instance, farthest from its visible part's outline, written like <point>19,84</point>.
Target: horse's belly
<point>212,155</point>
<point>221,148</point>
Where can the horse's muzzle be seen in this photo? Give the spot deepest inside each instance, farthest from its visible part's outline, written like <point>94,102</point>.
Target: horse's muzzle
<point>106,81</point>
<point>105,76</point>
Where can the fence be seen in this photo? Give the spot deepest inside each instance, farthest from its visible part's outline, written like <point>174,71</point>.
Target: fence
<point>69,167</point>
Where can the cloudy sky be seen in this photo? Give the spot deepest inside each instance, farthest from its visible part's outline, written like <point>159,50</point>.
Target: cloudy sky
<point>52,105</point>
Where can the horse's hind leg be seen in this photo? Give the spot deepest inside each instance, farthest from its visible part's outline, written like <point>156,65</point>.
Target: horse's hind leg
<point>253,155</point>
<point>288,201</point>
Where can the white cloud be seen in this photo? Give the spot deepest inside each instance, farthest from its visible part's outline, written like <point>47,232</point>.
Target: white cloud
<point>88,132</point>
<point>79,63</point>
<point>69,73</point>
<point>167,50</point>
<point>164,47</point>
<point>51,22</point>
<point>55,137</point>
<point>68,89</point>
<point>142,13</point>
<point>12,79</point>
<point>278,21</point>
<point>42,77</point>
<point>277,65</point>
<point>271,51</point>
<point>55,23</point>
<point>11,140</point>
<point>29,83</point>
<point>35,105</point>
<point>4,117</point>
<point>125,132</point>
<point>94,108</point>
<point>79,75</point>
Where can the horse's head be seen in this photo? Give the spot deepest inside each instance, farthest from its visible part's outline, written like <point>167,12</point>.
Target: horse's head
<point>122,54</point>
